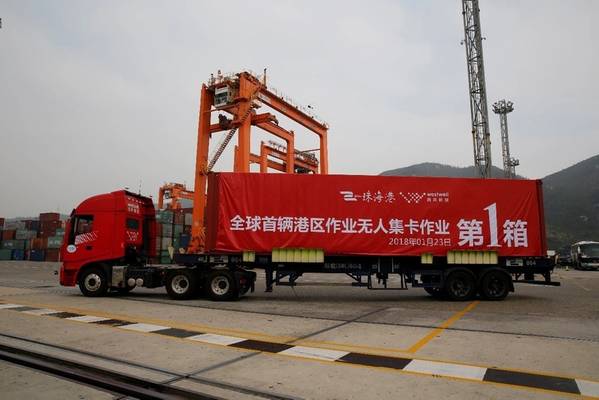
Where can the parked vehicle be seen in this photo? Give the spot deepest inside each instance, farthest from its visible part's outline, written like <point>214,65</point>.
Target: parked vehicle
<point>455,238</point>
<point>564,259</point>
<point>585,255</point>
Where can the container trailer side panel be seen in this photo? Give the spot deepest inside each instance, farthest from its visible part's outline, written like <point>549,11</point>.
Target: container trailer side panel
<point>374,215</point>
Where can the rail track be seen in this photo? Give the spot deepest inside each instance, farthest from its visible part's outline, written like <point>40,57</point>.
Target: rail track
<point>115,382</point>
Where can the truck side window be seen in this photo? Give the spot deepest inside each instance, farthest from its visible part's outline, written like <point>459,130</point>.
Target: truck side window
<point>81,224</point>
<point>132,224</point>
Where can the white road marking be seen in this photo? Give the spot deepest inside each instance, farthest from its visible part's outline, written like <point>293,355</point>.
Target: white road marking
<point>446,369</point>
<point>588,388</point>
<point>144,327</point>
<point>216,339</point>
<point>8,305</point>
<point>41,311</point>
<point>313,352</point>
<point>87,318</point>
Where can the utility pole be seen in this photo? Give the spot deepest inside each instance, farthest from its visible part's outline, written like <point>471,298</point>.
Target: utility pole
<point>503,107</point>
<point>477,88</point>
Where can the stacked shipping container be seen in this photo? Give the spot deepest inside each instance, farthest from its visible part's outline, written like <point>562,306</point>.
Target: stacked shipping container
<point>32,239</point>
<point>173,231</point>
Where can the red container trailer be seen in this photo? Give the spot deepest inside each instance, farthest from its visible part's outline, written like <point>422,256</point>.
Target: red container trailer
<point>456,238</point>
<point>375,215</point>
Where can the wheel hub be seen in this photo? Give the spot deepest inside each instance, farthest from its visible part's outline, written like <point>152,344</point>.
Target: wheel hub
<point>92,282</point>
<point>220,285</point>
<point>180,284</point>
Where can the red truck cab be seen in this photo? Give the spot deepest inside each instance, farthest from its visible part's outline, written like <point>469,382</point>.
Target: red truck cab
<point>111,228</point>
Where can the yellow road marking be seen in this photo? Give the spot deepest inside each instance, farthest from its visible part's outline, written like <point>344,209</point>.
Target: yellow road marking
<point>438,330</point>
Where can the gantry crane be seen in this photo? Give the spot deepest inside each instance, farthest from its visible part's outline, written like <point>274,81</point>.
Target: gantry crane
<point>477,88</point>
<point>175,192</point>
<point>503,108</point>
<point>235,98</point>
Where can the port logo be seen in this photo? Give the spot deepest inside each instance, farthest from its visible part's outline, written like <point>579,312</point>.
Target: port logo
<point>412,197</point>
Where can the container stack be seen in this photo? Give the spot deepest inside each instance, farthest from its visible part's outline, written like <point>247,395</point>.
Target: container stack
<point>173,228</point>
<point>32,239</point>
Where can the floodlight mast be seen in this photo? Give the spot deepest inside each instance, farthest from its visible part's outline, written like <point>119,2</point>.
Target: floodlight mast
<point>477,88</point>
<point>503,108</point>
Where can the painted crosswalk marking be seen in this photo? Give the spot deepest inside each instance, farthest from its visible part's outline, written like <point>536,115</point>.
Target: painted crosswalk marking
<point>584,387</point>
<point>316,353</point>
<point>216,339</point>
<point>139,327</point>
<point>446,369</point>
<point>88,318</point>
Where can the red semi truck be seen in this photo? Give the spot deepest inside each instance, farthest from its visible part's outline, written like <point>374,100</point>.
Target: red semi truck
<point>456,238</point>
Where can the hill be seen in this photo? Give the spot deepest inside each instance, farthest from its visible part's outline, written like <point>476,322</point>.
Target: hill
<point>571,197</point>
<point>572,203</point>
<point>434,169</point>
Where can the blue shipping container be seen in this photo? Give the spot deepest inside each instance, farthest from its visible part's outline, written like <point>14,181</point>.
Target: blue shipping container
<point>37,255</point>
<point>184,240</point>
<point>18,254</point>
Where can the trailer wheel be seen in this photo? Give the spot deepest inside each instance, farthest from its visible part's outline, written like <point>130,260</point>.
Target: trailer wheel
<point>181,284</point>
<point>495,285</point>
<point>93,282</point>
<point>221,286</point>
<point>460,285</point>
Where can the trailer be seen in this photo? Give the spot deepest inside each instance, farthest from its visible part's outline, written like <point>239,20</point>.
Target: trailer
<point>455,238</point>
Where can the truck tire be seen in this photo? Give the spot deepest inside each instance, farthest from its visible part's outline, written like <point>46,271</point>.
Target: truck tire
<point>495,285</point>
<point>221,286</point>
<point>460,285</point>
<point>181,284</point>
<point>93,282</point>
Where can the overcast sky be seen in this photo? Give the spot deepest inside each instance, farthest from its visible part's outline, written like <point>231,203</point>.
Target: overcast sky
<point>97,96</point>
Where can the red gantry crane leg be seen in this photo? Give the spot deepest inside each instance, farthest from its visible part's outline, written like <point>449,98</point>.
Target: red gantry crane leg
<point>238,95</point>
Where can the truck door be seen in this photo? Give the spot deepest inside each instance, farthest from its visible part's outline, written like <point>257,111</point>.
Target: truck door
<point>82,239</point>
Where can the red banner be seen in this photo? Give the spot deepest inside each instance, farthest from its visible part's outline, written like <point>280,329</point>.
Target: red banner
<point>374,215</point>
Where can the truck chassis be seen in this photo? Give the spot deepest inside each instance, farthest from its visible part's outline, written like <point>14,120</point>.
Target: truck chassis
<point>224,277</point>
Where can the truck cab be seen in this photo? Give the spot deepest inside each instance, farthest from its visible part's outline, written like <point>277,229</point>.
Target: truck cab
<point>106,230</point>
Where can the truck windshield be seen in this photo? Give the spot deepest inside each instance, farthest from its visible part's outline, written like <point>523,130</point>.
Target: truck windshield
<point>590,250</point>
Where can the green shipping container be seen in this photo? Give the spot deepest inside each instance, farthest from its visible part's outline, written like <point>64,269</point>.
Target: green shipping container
<point>164,217</point>
<point>5,254</point>
<point>13,245</point>
<point>54,242</point>
<point>25,235</point>
<point>167,230</point>
<point>177,230</point>
<point>165,243</point>
<point>60,232</point>
<point>165,257</point>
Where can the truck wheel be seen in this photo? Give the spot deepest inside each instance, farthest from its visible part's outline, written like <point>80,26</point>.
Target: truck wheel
<point>221,286</point>
<point>436,292</point>
<point>181,284</point>
<point>93,282</point>
<point>460,285</point>
<point>495,285</point>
